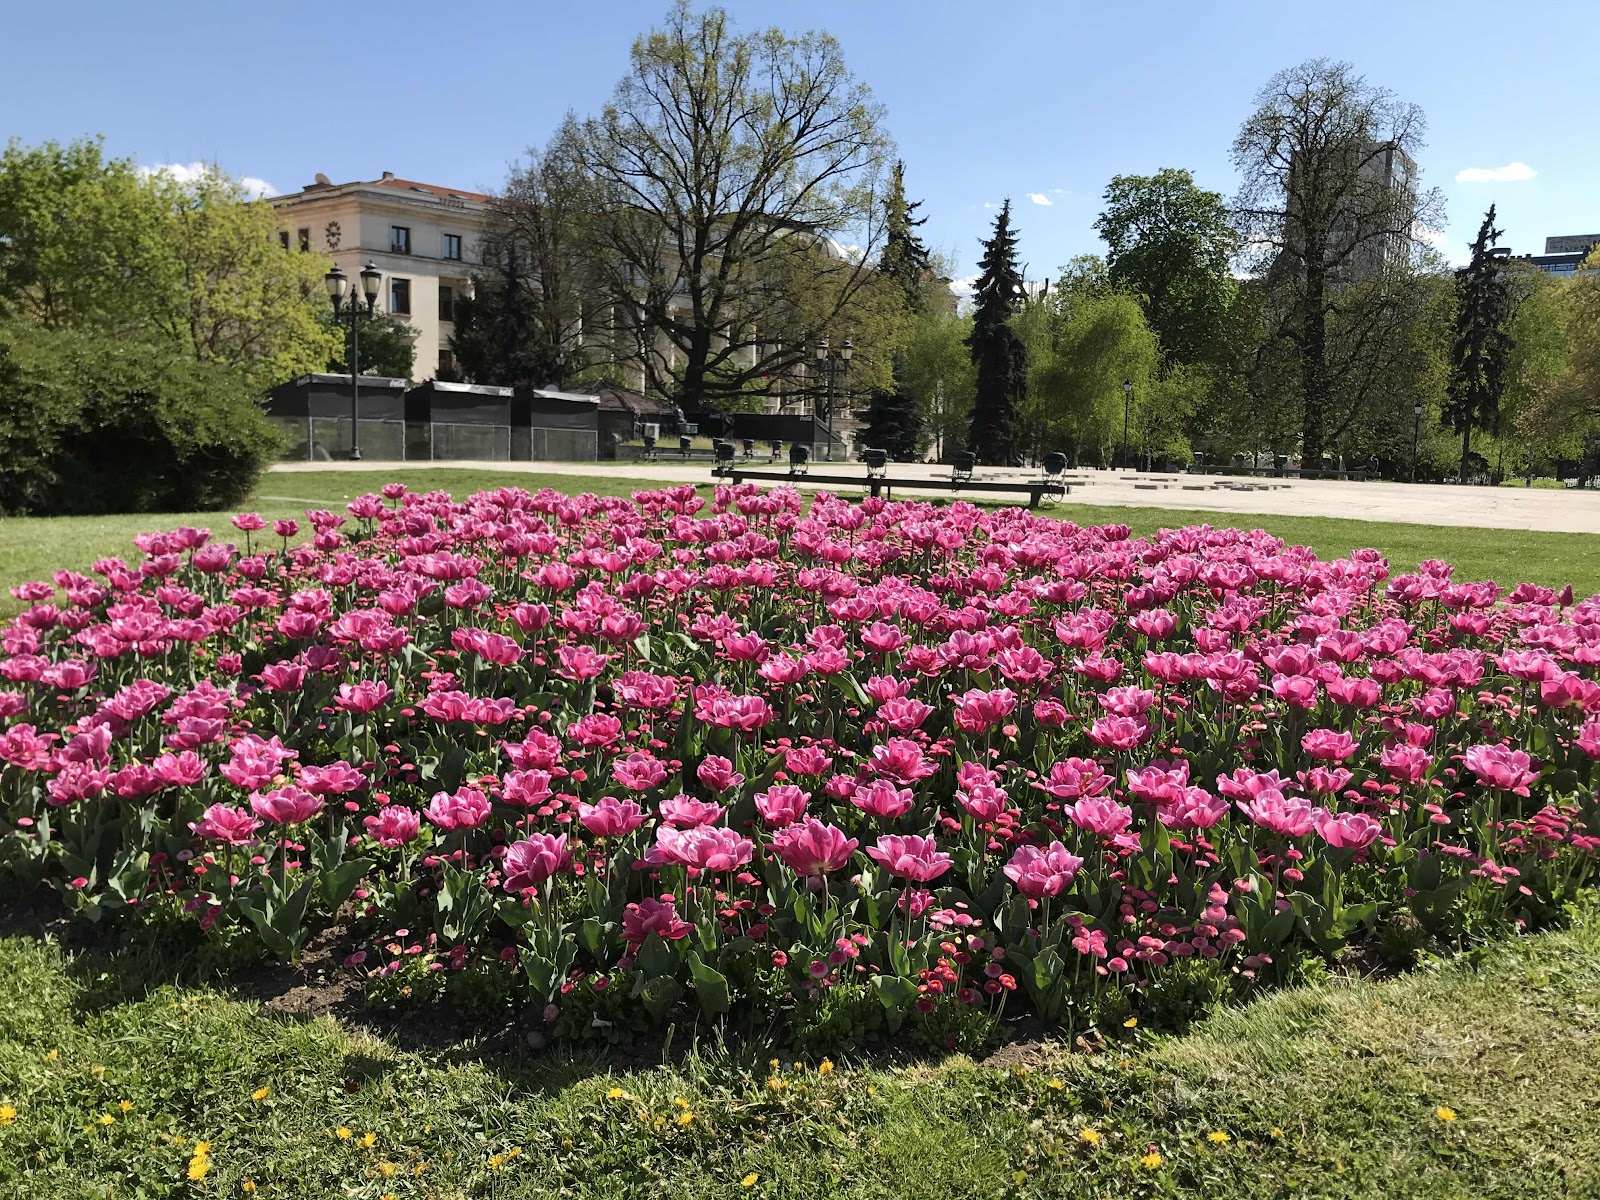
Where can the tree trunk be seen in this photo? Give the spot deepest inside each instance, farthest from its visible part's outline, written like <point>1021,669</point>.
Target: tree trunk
<point>1313,365</point>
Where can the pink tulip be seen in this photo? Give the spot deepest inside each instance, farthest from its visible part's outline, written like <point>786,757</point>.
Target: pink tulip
<point>1277,813</point>
<point>911,857</point>
<point>1039,873</point>
<point>811,848</point>
<point>782,805</point>
<point>288,805</point>
<point>687,812</point>
<point>639,771</point>
<point>1194,808</point>
<point>1330,745</point>
<point>610,817</point>
<point>1501,767</point>
<point>364,697</point>
<point>901,760</point>
<point>1075,777</point>
<point>1346,831</point>
<point>464,808</point>
<point>533,860</point>
<point>649,916</point>
<point>717,773</point>
<point>394,825</point>
<point>882,799</point>
<point>230,826</point>
<point>1105,818</point>
<point>707,847</point>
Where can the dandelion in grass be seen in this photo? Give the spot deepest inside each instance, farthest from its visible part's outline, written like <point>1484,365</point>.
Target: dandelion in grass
<point>8,1114</point>
<point>1089,1137</point>
<point>1219,1137</point>
<point>367,1140</point>
<point>749,1180</point>
<point>825,1067</point>
<point>1445,1113</point>
<point>125,1105</point>
<point>260,1094</point>
<point>343,1133</point>
<point>1055,1085</point>
<point>1151,1160</point>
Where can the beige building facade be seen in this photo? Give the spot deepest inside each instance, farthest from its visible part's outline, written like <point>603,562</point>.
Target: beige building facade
<point>423,238</point>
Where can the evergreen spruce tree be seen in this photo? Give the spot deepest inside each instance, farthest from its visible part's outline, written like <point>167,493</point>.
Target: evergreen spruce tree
<point>998,355</point>
<point>1482,344</point>
<point>894,423</point>
<point>497,337</point>
<point>904,258</point>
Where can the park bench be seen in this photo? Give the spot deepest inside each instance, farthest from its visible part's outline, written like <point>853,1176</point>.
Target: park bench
<point>879,485</point>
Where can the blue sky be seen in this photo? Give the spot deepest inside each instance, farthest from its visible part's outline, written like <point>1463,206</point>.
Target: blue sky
<point>1038,99</point>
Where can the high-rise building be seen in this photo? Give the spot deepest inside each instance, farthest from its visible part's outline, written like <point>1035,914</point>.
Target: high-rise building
<point>423,237</point>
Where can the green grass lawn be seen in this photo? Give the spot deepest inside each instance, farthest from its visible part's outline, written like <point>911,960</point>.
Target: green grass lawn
<point>1343,1089</point>
<point>31,548</point>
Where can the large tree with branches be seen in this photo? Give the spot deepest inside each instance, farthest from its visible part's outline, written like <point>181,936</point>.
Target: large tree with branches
<point>1328,202</point>
<point>736,183</point>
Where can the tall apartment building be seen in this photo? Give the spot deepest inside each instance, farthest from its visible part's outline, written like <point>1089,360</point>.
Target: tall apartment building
<point>424,238</point>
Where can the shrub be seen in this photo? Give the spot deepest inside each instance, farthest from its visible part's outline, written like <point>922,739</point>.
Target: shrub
<point>93,424</point>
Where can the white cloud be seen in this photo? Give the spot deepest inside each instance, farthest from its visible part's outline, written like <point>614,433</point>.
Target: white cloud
<point>1040,198</point>
<point>963,287</point>
<point>189,172</point>
<point>1516,172</point>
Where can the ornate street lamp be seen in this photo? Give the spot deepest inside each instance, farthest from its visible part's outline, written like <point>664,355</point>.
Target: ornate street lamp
<point>338,285</point>
<point>1416,437</point>
<point>833,362</point>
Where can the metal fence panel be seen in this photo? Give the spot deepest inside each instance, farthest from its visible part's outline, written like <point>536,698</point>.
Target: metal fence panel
<point>383,440</point>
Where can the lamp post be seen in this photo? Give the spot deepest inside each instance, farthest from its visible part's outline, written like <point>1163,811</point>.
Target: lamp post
<point>1416,437</point>
<point>833,362</point>
<point>1127,399</point>
<point>338,285</point>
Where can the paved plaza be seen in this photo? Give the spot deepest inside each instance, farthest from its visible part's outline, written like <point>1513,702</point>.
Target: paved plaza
<point>1565,511</point>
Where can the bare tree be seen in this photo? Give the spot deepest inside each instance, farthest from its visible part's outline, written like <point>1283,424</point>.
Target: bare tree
<point>1328,199</point>
<point>734,204</point>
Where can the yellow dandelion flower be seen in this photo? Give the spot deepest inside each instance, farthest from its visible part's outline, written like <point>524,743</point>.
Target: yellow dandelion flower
<point>679,1102</point>
<point>260,1094</point>
<point>125,1105</point>
<point>51,1055</point>
<point>825,1067</point>
<point>1023,1071</point>
<point>342,1133</point>
<point>98,1072</point>
<point>1275,1132</point>
<point>386,1169</point>
<point>496,1161</point>
<point>774,1063</point>
<point>1055,1085</point>
<point>248,1186</point>
<point>749,1180</point>
<point>1151,1161</point>
<point>387,1196</point>
<point>1445,1114</point>
<point>514,1152</point>
<point>1219,1137</point>
<point>107,1119</point>
<point>199,1166</point>
<point>615,1093</point>
<point>419,1169</point>
<point>8,1114</point>
<point>367,1140</point>
<point>1131,1023</point>
<point>871,1091</point>
<point>202,1148</point>
<point>1089,1137</point>
<point>685,1117</point>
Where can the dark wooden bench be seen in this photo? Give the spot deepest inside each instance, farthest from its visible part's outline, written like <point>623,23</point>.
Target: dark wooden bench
<point>1036,490</point>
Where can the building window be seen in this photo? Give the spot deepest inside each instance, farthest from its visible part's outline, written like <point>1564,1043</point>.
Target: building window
<point>447,362</point>
<point>283,238</point>
<point>399,239</point>
<point>452,246</point>
<point>400,296</point>
<point>447,303</point>
<point>305,240</point>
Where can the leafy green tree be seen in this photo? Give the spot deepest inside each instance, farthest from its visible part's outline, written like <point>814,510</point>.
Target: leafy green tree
<point>998,353</point>
<point>894,420</point>
<point>905,258</point>
<point>735,179</point>
<point>1171,244</point>
<point>499,335</point>
<point>388,344</point>
<point>90,243</point>
<point>93,422</point>
<point>1483,344</point>
<point>1327,200</point>
<point>940,377</point>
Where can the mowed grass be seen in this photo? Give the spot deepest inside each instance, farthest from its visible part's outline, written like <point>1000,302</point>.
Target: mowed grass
<point>1475,1079</point>
<point>32,548</point>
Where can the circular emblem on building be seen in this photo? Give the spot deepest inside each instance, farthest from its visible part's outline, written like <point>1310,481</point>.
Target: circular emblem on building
<point>332,233</point>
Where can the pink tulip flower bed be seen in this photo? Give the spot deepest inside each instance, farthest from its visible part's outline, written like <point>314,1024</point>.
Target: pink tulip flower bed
<point>845,765</point>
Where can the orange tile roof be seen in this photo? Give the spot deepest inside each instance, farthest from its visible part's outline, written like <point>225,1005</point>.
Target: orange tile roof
<point>411,185</point>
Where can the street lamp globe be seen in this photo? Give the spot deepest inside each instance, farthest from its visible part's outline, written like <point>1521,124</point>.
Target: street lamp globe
<point>846,350</point>
<point>822,350</point>
<point>1416,409</point>
<point>371,281</point>
<point>338,285</point>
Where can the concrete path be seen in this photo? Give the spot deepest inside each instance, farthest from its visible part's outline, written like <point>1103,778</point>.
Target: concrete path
<point>1425,504</point>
